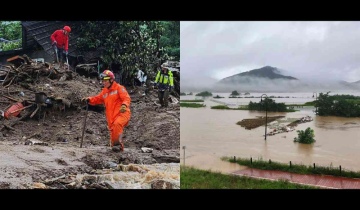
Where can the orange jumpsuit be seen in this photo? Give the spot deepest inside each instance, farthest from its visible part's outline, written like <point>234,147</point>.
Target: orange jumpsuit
<point>113,98</point>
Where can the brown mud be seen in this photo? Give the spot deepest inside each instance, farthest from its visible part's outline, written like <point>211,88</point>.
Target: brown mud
<point>257,122</point>
<point>59,126</point>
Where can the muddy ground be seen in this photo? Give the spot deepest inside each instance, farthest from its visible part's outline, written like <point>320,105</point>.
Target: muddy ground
<point>257,122</point>
<point>60,126</point>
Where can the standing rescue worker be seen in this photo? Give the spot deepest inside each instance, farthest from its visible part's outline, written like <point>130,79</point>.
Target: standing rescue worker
<point>117,102</point>
<point>60,40</point>
<point>165,79</point>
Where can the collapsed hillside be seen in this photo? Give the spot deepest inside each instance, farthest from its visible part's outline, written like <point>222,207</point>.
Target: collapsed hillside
<point>43,140</point>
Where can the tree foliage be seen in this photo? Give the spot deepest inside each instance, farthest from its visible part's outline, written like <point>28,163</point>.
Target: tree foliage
<point>267,104</point>
<point>234,93</point>
<point>305,137</point>
<point>338,105</point>
<point>132,45</point>
<point>10,31</point>
<point>205,93</point>
<point>170,40</point>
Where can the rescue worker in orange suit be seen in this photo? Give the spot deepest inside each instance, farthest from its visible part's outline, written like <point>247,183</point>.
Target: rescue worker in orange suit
<point>117,103</point>
<point>60,42</point>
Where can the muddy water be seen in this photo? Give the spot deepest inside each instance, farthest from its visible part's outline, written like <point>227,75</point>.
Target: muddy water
<point>210,134</point>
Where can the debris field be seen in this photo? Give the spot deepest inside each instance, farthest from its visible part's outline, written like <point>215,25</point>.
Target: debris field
<point>41,123</point>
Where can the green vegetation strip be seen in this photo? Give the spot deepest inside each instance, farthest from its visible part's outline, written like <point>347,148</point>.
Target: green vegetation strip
<point>192,178</point>
<point>306,104</point>
<point>191,100</point>
<point>297,169</point>
<point>226,107</point>
<point>244,108</point>
<point>192,105</point>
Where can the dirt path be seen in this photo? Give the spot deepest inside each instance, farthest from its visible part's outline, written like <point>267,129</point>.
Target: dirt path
<point>325,181</point>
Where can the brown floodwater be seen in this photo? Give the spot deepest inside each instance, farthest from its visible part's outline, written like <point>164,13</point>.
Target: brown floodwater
<point>210,134</point>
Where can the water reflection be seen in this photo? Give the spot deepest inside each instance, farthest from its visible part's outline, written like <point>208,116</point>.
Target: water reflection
<point>214,133</point>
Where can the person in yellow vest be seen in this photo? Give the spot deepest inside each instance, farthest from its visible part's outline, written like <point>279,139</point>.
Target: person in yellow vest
<point>165,83</point>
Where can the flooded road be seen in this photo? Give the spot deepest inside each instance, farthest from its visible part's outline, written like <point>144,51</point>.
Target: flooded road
<point>210,134</point>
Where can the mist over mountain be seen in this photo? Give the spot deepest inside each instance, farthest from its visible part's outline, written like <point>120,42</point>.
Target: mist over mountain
<point>267,72</point>
<point>267,79</point>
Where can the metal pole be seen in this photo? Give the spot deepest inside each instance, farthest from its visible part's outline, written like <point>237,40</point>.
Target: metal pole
<point>87,105</point>
<point>316,103</point>
<point>265,113</point>
<point>265,120</point>
<point>184,147</point>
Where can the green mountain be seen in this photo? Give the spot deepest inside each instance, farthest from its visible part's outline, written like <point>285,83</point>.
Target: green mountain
<point>266,72</point>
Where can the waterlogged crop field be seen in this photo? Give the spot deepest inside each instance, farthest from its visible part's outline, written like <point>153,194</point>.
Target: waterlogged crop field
<point>213,133</point>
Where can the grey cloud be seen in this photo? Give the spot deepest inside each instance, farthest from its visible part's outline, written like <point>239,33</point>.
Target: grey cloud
<point>310,51</point>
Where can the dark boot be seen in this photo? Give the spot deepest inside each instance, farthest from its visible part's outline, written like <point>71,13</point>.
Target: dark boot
<point>166,98</point>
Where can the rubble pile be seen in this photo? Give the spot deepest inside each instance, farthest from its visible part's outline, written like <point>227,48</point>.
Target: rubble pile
<point>257,122</point>
<point>300,121</point>
<point>288,128</point>
<point>42,116</point>
<point>132,176</point>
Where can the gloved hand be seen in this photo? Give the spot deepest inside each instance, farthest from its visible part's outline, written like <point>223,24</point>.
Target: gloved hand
<point>123,108</point>
<point>66,53</point>
<point>54,43</point>
<point>170,88</point>
<point>86,99</point>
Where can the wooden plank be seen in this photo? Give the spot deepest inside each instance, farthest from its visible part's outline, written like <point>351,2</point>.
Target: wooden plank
<point>16,60</point>
<point>13,99</point>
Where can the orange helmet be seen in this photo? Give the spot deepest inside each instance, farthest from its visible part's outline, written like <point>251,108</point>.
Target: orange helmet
<point>67,28</point>
<point>107,75</point>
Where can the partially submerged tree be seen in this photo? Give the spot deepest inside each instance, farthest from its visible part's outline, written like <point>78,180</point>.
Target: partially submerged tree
<point>205,93</point>
<point>338,105</point>
<point>234,93</point>
<point>267,104</point>
<point>305,137</point>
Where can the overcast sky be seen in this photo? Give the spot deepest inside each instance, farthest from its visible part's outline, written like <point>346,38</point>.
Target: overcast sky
<point>307,50</point>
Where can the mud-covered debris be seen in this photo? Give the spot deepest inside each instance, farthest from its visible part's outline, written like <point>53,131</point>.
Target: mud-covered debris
<point>161,184</point>
<point>61,162</point>
<point>110,164</point>
<point>39,186</point>
<point>257,122</point>
<point>5,185</point>
<point>35,142</point>
<point>146,150</point>
<point>115,185</point>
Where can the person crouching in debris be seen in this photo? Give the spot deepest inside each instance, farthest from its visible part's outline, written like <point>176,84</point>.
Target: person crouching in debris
<point>117,102</point>
<point>60,43</point>
<point>164,77</point>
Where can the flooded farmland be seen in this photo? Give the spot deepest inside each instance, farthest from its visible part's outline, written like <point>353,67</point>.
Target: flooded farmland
<point>210,134</point>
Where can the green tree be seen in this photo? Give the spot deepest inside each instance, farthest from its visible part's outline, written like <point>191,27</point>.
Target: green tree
<point>338,105</point>
<point>234,93</point>
<point>305,137</point>
<point>10,31</point>
<point>267,104</point>
<point>131,45</point>
<point>170,41</point>
<point>205,93</point>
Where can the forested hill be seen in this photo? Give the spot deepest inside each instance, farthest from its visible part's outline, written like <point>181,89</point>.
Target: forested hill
<point>264,72</point>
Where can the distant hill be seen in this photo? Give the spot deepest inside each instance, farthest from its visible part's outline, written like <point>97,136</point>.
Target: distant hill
<point>266,72</point>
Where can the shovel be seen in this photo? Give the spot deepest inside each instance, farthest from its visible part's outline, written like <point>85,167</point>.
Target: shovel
<point>56,51</point>
<point>67,61</point>
<point>87,106</point>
